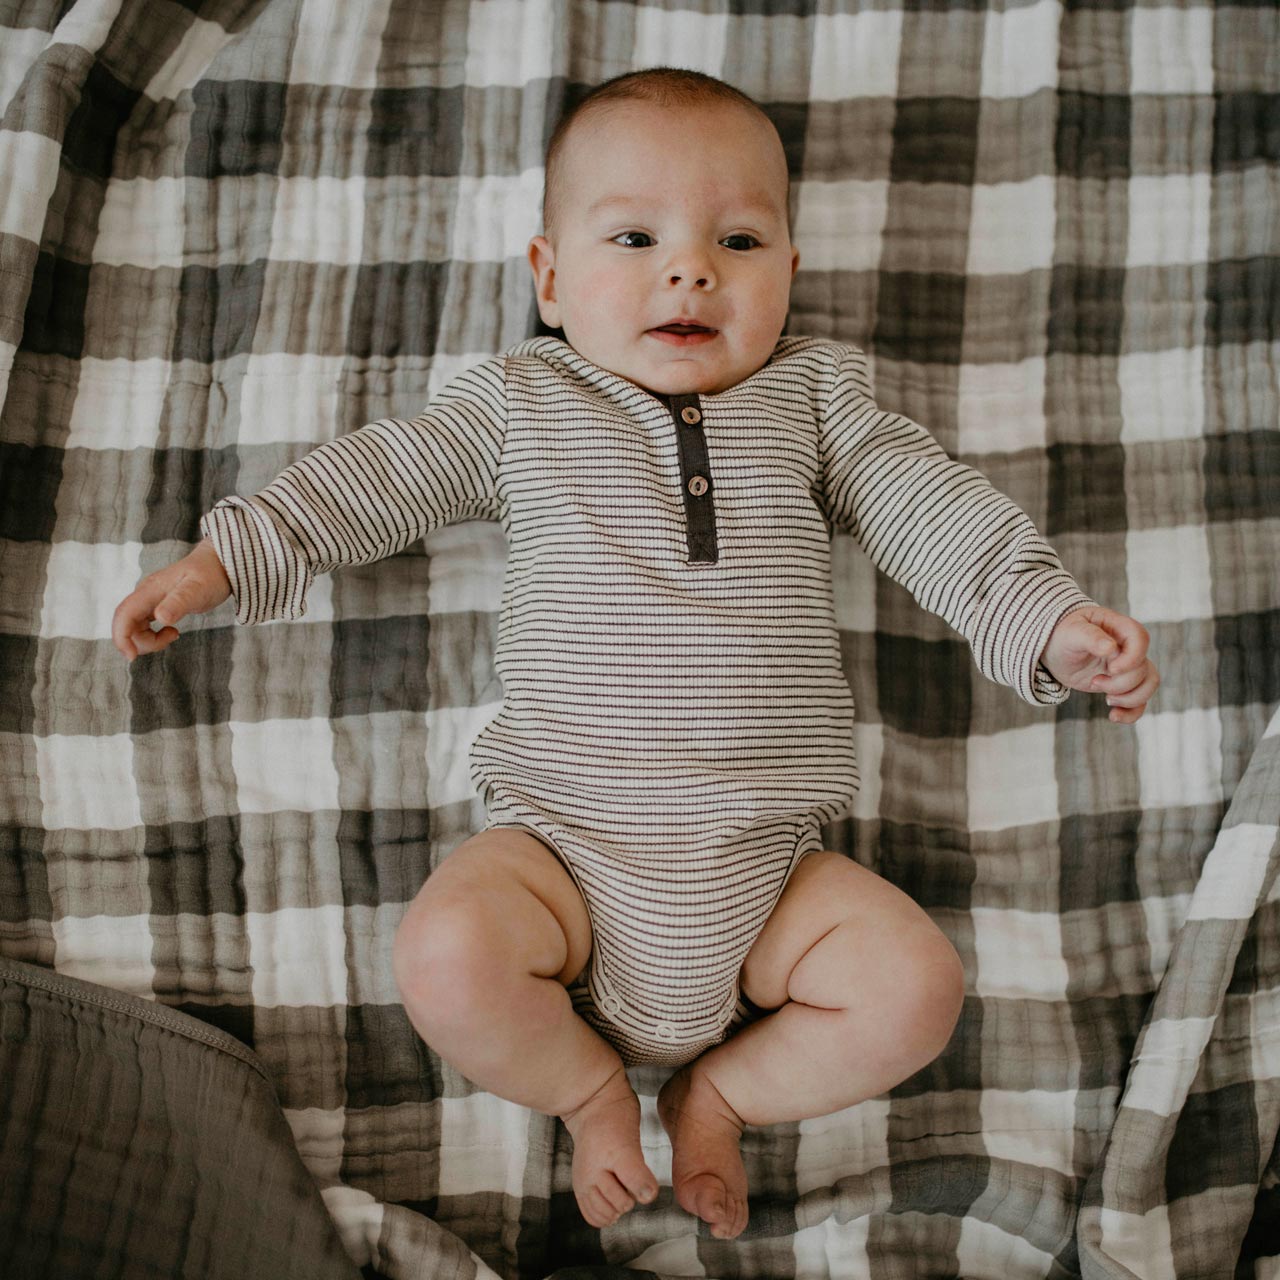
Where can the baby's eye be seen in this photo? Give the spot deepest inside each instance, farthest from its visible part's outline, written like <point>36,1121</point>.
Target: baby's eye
<point>633,235</point>
<point>749,242</point>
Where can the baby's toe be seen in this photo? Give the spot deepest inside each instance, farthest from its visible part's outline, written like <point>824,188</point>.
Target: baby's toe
<point>615,1194</point>
<point>733,1220</point>
<point>637,1179</point>
<point>705,1197</point>
<point>597,1211</point>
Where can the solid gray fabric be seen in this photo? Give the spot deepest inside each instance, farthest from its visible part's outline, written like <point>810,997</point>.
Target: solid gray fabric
<point>138,1142</point>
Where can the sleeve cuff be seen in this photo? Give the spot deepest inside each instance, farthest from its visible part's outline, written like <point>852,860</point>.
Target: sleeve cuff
<point>1036,684</point>
<point>269,576</point>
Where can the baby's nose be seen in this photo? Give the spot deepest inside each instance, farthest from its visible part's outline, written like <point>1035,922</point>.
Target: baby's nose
<point>700,280</point>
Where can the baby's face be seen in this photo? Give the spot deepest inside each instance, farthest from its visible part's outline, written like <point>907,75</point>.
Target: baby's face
<point>670,215</point>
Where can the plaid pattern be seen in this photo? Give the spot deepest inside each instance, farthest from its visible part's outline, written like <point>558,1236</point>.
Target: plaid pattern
<point>231,230</point>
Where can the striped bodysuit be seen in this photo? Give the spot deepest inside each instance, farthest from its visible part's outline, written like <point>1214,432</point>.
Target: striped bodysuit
<point>676,724</point>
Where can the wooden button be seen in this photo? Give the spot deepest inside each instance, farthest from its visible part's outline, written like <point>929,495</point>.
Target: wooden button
<point>691,415</point>
<point>698,486</point>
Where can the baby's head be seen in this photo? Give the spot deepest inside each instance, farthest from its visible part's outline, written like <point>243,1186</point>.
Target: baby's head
<point>666,201</point>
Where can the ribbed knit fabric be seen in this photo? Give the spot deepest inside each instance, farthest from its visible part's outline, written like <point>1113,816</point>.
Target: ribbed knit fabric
<point>676,723</point>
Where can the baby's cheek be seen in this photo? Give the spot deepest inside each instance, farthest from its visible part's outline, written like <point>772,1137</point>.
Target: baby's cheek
<point>601,304</point>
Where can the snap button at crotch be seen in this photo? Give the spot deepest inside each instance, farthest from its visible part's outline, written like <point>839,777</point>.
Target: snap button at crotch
<point>665,1031</point>
<point>611,1004</point>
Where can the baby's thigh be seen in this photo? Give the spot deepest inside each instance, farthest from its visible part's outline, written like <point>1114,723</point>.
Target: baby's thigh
<point>504,900</point>
<point>836,920</point>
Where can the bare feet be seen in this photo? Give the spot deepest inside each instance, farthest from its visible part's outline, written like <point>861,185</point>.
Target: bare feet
<point>706,1165</point>
<point>609,1172</point>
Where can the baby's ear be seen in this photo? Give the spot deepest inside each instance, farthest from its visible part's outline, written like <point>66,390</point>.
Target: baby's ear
<point>542,259</point>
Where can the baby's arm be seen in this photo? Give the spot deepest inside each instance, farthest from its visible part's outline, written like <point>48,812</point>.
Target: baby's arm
<point>354,500</point>
<point>194,584</point>
<point>1100,651</point>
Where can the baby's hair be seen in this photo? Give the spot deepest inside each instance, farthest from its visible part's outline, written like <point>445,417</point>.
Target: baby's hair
<point>665,86</point>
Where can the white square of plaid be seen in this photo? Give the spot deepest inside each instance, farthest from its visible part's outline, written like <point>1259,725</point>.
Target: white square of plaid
<point>993,1248</point>
<point>1179,758</point>
<point>143,222</point>
<point>21,47</point>
<point>1166,1061</point>
<point>855,55</point>
<point>1019,954</point>
<point>1231,882</point>
<point>87,782</point>
<point>1169,219</point>
<point>319,219</point>
<point>494,217</point>
<point>1168,574</point>
<point>199,45</point>
<point>840,225</point>
<point>298,957</point>
<point>284,764</point>
<point>833,1247</point>
<point>1171,49</point>
<point>868,746</point>
<point>1161,395</point>
<point>450,733</point>
<point>1011,227</point>
<point>512,42</point>
<point>1011,780</point>
<point>83,585</point>
<point>1020,50</point>
<point>24,205</point>
<point>677,37</point>
<point>1034,1127</point>
<point>1000,407</point>
<point>119,404</point>
<point>466,566</point>
<point>358,1217</point>
<point>291,398</point>
<point>113,951</point>
<point>853,579</point>
<point>337,42</point>
<point>844,1144</point>
<point>1138,1241</point>
<point>483,1144</point>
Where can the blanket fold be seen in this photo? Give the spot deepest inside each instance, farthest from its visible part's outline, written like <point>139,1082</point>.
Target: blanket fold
<point>232,230</point>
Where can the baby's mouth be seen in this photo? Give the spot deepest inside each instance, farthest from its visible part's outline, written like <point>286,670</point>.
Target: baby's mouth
<point>683,334</point>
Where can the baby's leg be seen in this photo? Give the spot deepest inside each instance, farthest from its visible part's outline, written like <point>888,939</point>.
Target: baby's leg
<point>867,991</point>
<point>482,958</point>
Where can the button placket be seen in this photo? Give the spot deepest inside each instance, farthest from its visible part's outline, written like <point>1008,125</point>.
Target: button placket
<point>696,480</point>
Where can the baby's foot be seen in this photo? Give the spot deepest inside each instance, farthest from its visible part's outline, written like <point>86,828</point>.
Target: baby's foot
<point>706,1165</point>
<point>609,1172</point>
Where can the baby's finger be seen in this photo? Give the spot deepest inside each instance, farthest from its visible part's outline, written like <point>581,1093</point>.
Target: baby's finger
<point>1125,682</point>
<point>1133,639</point>
<point>132,615</point>
<point>148,641</point>
<point>1127,707</point>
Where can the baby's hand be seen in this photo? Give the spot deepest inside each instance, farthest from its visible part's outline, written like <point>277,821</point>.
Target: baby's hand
<point>194,584</point>
<point>1101,651</point>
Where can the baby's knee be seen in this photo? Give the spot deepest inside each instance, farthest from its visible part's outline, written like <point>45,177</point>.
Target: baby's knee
<point>445,958</point>
<point>929,995</point>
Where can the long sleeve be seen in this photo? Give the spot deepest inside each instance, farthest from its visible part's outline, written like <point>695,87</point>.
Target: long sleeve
<point>939,528</point>
<point>364,496</point>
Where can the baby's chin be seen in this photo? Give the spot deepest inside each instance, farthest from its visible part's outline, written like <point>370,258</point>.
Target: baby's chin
<point>676,376</point>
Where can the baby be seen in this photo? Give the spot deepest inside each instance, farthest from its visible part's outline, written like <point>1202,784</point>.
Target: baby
<point>676,726</point>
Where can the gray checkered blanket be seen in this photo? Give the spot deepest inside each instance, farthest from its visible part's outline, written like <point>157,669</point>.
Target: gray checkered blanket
<point>231,230</point>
